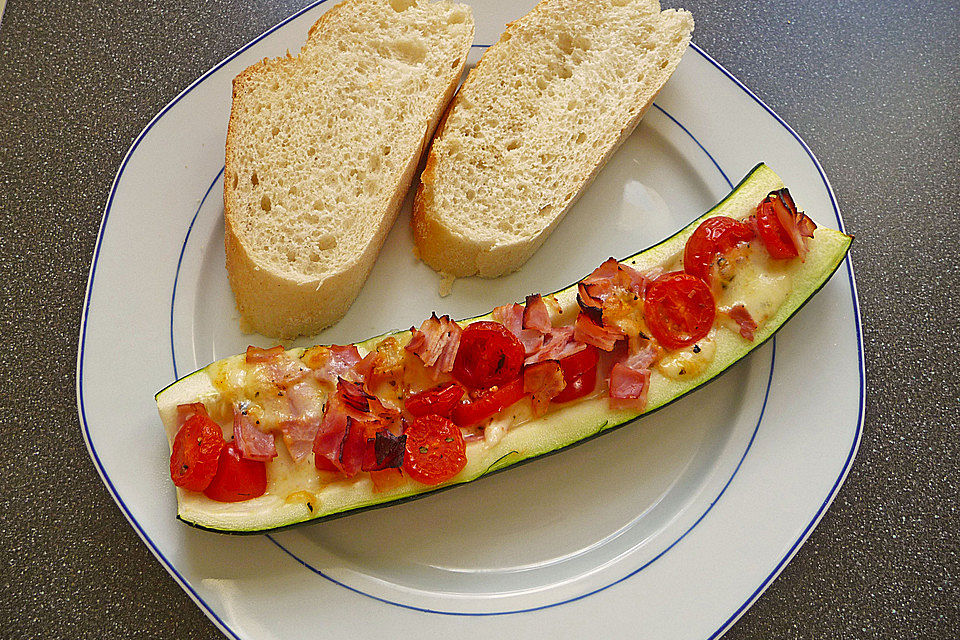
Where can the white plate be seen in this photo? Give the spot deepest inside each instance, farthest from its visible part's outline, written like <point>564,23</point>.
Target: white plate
<point>667,528</point>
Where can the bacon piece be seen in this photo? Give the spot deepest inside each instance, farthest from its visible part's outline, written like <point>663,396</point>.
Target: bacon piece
<point>642,357</point>
<point>351,415</point>
<point>384,451</point>
<point>805,225</point>
<point>543,381</point>
<point>350,454</point>
<point>253,443</point>
<point>557,344</point>
<point>299,436</point>
<point>587,331</point>
<point>256,355</point>
<point>359,405</point>
<point>640,281</point>
<point>628,387</point>
<point>512,316</point>
<point>608,270</point>
<point>332,430</point>
<point>436,342</point>
<point>748,326</point>
<point>612,296</point>
<point>299,426</point>
<point>589,304</point>
<point>796,223</point>
<point>329,363</point>
<point>536,316</point>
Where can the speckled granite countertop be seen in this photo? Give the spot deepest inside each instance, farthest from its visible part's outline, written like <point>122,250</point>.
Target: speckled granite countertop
<point>872,87</point>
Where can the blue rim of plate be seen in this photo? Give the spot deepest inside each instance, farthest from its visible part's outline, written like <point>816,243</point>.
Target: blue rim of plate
<point>208,609</point>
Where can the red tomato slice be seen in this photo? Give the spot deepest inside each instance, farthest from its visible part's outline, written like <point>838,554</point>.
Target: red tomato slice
<point>774,235</point>
<point>679,309</point>
<point>580,374</point>
<point>196,450</point>
<point>489,355</point>
<point>435,450</point>
<point>712,238</point>
<point>490,402</point>
<point>438,401</point>
<point>237,478</point>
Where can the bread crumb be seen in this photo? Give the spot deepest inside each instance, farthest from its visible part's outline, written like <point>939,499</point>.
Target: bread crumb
<point>446,284</point>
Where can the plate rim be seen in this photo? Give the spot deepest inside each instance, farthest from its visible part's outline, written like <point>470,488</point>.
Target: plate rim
<point>184,584</point>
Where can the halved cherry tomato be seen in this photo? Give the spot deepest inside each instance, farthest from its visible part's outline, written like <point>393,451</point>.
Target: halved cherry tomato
<point>490,402</point>
<point>196,450</point>
<point>237,478</point>
<point>772,232</point>
<point>713,237</point>
<point>435,450</point>
<point>580,374</point>
<point>488,355</point>
<point>438,401</point>
<point>679,309</point>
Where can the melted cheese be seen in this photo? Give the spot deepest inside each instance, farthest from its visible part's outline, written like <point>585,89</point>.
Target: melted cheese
<point>690,362</point>
<point>759,283</point>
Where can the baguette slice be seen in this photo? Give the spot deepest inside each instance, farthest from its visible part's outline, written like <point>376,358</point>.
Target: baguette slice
<point>321,150</point>
<point>534,122</point>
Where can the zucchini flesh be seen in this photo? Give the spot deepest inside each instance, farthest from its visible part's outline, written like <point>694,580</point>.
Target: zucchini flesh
<point>284,506</point>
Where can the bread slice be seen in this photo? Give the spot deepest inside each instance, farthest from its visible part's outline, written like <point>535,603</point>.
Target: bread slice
<point>321,150</point>
<point>534,123</point>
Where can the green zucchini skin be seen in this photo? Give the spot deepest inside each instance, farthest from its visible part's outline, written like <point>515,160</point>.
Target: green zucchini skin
<point>761,180</point>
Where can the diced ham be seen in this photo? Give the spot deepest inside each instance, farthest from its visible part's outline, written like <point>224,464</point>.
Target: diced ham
<point>589,332</point>
<point>806,225</point>
<point>351,415</point>
<point>640,281</point>
<point>543,381</point>
<point>329,363</point>
<point>512,317</point>
<point>589,304</point>
<point>331,432</point>
<point>796,223</point>
<point>740,315</point>
<point>643,357</point>
<point>536,316</point>
<point>283,370</point>
<point>350,458</point>
<point>608,270</point>
<point>359,405</point>
<point>612,296</point>
<point>299,436</point>
<point>253,443</point>
<point>628,387</point>
<point>557,344</point>
<point>436,342</point>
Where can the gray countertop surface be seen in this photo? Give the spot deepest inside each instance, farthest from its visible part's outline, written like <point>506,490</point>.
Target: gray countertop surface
<point>873,89</point>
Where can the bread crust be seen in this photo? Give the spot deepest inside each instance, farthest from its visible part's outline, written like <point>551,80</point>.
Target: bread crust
<point>284,303</point>
<point>452,250</point>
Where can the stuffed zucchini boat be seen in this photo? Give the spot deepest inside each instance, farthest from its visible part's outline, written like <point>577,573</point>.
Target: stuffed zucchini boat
<point>273,438</point>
